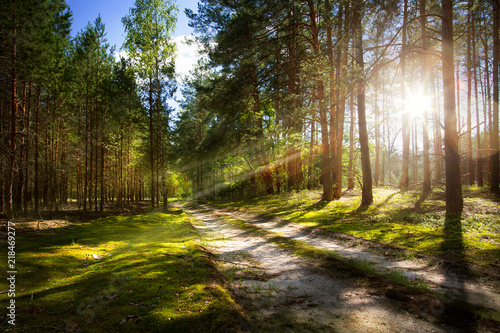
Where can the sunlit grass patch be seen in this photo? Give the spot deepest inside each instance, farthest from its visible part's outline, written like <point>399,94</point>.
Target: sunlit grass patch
<point>122,273</point>
<point>409,219</point>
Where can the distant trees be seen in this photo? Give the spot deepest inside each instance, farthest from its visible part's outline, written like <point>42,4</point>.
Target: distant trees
<point>34,35</point>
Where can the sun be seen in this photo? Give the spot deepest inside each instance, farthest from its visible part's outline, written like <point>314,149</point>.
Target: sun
<point>416,103</point>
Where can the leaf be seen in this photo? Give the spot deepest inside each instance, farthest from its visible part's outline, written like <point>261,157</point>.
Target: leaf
<point>96,256</point>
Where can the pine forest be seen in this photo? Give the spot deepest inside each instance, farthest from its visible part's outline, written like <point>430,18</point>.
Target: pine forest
<point>375,120</point>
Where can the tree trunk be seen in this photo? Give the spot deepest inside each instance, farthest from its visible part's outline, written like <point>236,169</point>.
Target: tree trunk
<point>479,154</point>
<point>342,62</point>
<point>151,143</point>
<point>405,179</point>
<point>438,142</point>
<point>366,194</point>
<point>326,172</point>
<point>13,130</point>
<point>454,201</point>
<point>426,187</point>
<point>351,172</point>
<point>310,170</point>
<point>495,166</point>
<point>470,160</point>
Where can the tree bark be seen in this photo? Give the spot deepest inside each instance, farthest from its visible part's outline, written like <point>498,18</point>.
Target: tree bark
<point>9,209</point>
<point>454,201</point>
<point>366,194</point>
<point>426,187</point>
<point>326,172</point>
<point>479,154</point>
<point>470,161</point>
<point>151,143</point>
<point>405,179</point>
<point>495,164</point>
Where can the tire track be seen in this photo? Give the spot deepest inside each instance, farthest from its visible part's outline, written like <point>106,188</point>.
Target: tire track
<point>282,292</point>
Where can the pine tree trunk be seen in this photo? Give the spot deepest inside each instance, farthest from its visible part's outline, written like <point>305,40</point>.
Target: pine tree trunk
<point>405,179</point>
<point>495,155</point>
<point>479,154</point>
<point>454,201</point>
<point>438,142</point>
<point>470,161</point>
<point>351,167</point>
<point>342,62</point>
<point>310,170</point>
<point>37,136</point>
<point>366,194</point>
<point>326,172</point>
<point>8,201</point>
<point>26,194</point>
<point>426,187</point>
<point>151,143</point>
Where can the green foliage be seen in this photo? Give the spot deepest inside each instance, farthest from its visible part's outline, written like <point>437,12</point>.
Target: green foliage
<point>148,29</point>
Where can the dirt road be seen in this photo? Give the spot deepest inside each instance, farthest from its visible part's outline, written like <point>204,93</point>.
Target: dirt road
<point>281,292</point>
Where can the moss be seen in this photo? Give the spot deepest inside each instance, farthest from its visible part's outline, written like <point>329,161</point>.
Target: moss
<point>152,277</point>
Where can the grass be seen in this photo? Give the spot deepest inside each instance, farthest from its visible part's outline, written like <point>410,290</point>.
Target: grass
<point>334,263</point>
<point>152,277</point>
<point>408,220</point>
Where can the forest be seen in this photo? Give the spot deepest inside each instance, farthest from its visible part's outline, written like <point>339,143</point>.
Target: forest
<point>289,96</point>
<point>293,109</point>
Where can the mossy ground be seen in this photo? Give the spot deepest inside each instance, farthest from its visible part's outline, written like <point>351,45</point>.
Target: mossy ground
<point>409,220</point>
<point>153,277</point>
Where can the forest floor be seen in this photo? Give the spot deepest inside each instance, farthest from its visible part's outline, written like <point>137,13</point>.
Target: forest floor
<point>294,277</point>
<point>133,271</point>
<point>283,263</point>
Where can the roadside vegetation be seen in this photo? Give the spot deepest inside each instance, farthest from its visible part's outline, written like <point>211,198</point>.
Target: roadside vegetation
<point>411,223</point>
<point>135,273</point>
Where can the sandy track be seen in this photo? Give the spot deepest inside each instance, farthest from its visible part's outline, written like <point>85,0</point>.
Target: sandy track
<point>439,278</point>
<point>282,292</point>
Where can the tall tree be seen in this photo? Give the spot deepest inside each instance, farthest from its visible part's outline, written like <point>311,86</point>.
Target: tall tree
<point>454,201</point>
<point>148,28</point>
<point>367,195</point>
<point>495,154</point>
<point>405,178</point>
<point>426,187</point>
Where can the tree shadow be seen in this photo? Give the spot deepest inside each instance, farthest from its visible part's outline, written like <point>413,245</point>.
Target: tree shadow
<point>421,199</point>
<point>317,205</point>
<point>361,209</point>
<point>455,268</point>
<point>386,200</point>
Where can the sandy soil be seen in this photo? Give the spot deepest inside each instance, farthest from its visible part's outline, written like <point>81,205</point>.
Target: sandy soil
<point>284,293</point>
<point>439,276</point>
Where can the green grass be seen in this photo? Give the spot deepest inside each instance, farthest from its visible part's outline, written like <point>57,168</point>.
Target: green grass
<point>408,219</point>
<point>152,277</point>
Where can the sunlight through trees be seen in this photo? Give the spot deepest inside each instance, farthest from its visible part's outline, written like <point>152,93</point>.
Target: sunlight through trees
<point>324,95</point>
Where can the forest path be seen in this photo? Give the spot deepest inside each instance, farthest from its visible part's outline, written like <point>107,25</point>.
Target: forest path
<point>282,292</point>
<point>440,277</point>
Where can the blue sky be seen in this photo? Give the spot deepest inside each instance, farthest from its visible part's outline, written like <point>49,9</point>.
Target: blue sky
<point>112,11</point>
